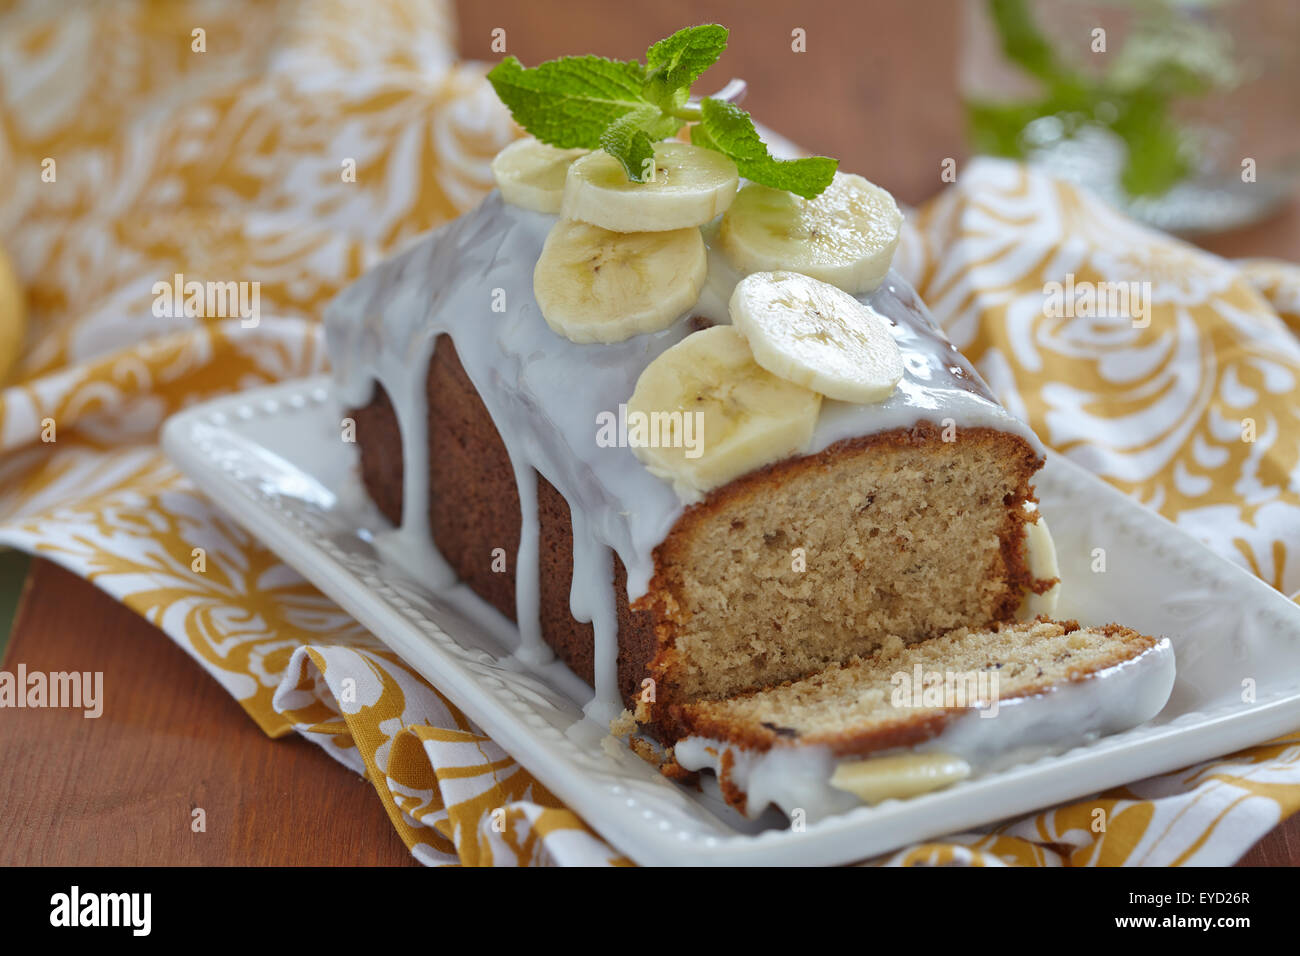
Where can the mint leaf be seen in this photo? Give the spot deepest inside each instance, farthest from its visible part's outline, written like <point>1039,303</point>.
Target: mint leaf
<point>676,62</point>
<point>728,129</point>
<point>571,101</point>
<point>630,139</point>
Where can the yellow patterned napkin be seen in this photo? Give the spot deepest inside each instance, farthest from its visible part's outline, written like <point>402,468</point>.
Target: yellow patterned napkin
<point>279,143</point>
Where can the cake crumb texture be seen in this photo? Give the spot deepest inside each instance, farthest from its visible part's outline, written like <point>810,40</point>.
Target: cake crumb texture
<point>897,537</point>
<point>850,707</point>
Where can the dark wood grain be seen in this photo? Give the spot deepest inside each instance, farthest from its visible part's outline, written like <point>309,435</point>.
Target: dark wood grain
<point>120,789</point>
<point>1281,847</point>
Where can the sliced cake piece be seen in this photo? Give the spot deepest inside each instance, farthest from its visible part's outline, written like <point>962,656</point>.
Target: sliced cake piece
<point>924,715</point>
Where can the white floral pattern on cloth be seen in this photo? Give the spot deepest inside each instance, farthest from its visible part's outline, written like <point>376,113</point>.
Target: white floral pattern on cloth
<point>230,167</point>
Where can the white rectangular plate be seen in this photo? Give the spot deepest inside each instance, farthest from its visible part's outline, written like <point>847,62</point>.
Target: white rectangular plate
<point>274,460</point>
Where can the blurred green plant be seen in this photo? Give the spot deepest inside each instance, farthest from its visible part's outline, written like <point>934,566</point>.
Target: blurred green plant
<point>13,574</point>
<point>1168,57</point>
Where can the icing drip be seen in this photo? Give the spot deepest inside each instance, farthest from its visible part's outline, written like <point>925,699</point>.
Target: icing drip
<point>1022,728</point>
<point>591,600</point>
<point>472,280</point>
<point>528,595</point>
<point>414,549</point>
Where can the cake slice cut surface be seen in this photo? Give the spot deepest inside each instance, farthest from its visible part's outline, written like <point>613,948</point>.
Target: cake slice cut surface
<point>985,698</point>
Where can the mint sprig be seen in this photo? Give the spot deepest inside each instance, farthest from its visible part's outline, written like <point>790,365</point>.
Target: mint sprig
<point>625,107</point>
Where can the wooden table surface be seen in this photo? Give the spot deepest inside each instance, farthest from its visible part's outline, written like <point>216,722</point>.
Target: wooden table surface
<point>876,88</point>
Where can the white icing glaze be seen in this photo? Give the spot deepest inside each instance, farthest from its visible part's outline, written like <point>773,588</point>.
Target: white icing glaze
<point>544,394</point>
<point>1040,555</point>
<point>528,594</point>
<point>1023,728</point>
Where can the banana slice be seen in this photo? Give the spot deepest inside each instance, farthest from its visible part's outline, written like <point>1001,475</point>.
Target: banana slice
<point>531,174</point>
<point>899,777</point>
<point>704,412</point>
<point>846,236</point>
<point>594,285</point>
<point>813,334</point>
<point>691,185</point>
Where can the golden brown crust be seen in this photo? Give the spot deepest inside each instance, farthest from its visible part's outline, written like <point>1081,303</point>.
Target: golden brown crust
<point>906,732</point>
<point>645,750</point>
<point>671,769</point>
<point>731,792</point>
